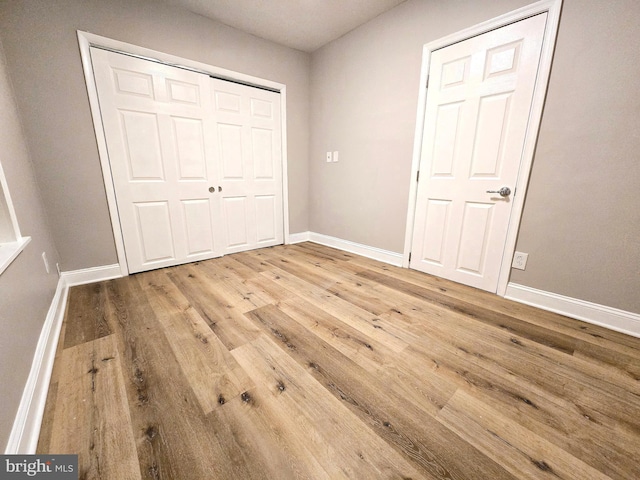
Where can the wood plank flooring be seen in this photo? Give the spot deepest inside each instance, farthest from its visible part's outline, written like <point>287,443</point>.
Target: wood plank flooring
<point>304,361</point>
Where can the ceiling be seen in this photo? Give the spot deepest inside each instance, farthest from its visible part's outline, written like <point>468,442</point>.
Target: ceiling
<point>301,24</point>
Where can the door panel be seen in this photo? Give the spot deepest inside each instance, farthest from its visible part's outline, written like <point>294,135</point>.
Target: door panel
<point>155,232</point>
<point>196,162</point>
<point>266,214</point>
<point>199,230</point>
<point>436,228</point>
<point>235,213</point>
<point>162,162</point>
<point>230,141</point>
<point>189,140</point>
<point>143,149</point>
<point>476,118</point>
<point>476,226</point>
<point>250,139</point>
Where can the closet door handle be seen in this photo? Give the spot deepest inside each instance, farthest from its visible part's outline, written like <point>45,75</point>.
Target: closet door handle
<point>219,188</point>
<point>212,189</point>
<point>504,191</point>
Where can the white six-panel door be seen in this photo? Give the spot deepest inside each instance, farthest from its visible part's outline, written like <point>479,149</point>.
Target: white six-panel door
<point>191,177</point>
<point>478,104</point>
<point>248,135</point>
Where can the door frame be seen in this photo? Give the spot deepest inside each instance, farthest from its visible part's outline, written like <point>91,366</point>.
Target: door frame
<point>552,8</point>
<point>87,40</point>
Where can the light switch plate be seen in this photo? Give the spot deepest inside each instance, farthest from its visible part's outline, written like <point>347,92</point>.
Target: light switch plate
<point>329,157</point>
<point>335,156</point>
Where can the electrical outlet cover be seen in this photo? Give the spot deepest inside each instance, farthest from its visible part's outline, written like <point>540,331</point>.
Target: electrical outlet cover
<point>520,260</point>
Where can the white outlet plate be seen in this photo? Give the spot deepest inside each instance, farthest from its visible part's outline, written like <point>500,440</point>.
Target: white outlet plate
<point>329,159</point>
<point>335,156</point>
<point>520,260</point>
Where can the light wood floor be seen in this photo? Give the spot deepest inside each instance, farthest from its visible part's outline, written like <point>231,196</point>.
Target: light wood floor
<point>308,362</point>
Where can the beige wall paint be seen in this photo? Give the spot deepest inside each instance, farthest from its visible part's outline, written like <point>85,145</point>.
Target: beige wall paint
<point>44,64</point>
<point>581,223</point>
<point>364,92</point>
<point>26,290</point>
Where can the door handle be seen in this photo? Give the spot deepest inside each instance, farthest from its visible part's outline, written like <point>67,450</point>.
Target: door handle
<point>504,191</point>
<point>212,189</point>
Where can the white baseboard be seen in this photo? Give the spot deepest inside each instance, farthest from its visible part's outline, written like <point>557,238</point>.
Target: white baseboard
<point>375,253</point>
<point>26,426</point>
<point>91,275</point>
<point>608,317</point>
<point>298,237</point>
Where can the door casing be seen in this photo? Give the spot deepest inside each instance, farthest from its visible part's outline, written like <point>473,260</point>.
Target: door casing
<point>87,40</point>
<point>553,7</point>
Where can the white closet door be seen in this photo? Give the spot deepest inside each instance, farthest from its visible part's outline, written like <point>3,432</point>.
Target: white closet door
<point>249,138</point>
<point>478,106</point>
<point>156,120</point>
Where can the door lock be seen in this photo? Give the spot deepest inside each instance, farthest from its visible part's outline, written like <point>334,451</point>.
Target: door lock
<point>503,192</point>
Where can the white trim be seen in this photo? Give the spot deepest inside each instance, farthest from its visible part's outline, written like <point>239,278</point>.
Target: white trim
<point>285,170</point>
<point>553,8</point>
<point>87,40</point>
<point>6,201</point>
<point>375,253</point>
<point>91,275</point>
<point>298,237</point>
<point>26,426</point>
<point>10,250</point>
<point>602,315</point>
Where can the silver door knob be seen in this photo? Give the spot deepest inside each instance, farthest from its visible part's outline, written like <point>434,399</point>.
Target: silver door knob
<point>504,191</point>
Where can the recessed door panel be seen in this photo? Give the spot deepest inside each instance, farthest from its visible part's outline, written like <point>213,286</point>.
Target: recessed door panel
<point>444,145</point>
<point>503,59</point>
<point>261,108</point>
<point>199,231</point>
<point>230,147</point>
<point>262,151</point>
<point>435,230</point>
<point>235,213</point>
<point>142,141</point>
<point>476,227</point>
<point>491,134</point>
<point>183,92</point>
<point>155,231</point>
<point>266,218</point>
<point>229,102</point>
<point>133,83</point>
<point>190,152</point>
<point>455,72</point>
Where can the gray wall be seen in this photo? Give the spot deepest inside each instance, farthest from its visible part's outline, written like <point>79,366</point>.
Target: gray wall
<point>26,290</point>
<point>44,63</point>
<point>581,223</point>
